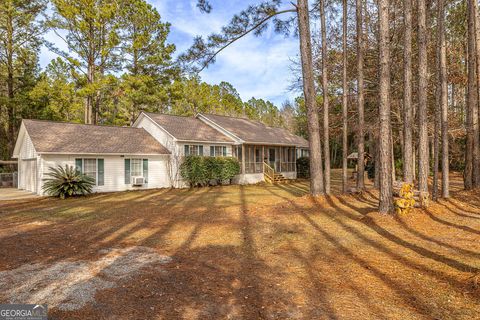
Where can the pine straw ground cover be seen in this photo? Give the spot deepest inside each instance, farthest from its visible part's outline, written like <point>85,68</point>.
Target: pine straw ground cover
<point>251,252</point>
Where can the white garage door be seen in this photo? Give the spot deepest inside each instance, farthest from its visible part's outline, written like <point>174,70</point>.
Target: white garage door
<point>29,173</point>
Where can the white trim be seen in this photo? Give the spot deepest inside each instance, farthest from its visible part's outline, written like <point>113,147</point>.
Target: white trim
<point>107,154</point>
<point>21,137</point>
<point>207,141</point>
<point>274,144</point>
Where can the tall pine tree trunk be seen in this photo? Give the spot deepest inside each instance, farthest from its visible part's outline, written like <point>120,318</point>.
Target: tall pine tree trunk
<point>386,192</point>
<point>316,174</point>
<point>475,114</point>
<point>408,155</point>
<point>344,102</point>
<point>326,135</point>
<point>9,52</point>
<point>443,99</point>
<point>361,121</point>
<point>472,97</point>
<point>423,156</point>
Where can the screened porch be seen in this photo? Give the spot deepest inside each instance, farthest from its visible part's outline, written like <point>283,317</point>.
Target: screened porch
<point>252,157</point>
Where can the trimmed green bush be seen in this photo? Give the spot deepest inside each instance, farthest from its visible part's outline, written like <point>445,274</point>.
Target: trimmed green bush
<point>230,168</point>
<point>193,171</point>
<point>213,168</point>
<point>201,171</point>
<point>67,182</point>
<point>303,167</point>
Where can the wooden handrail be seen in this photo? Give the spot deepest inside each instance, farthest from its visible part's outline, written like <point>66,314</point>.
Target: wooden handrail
<point>268,171</point>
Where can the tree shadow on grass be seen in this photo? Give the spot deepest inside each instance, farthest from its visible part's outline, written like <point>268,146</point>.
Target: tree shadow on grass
<point>372,225</point>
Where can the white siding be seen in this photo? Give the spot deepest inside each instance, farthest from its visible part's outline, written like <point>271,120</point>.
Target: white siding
<point>28,175</point>
<point>159,134</point>
<point>114,167</point>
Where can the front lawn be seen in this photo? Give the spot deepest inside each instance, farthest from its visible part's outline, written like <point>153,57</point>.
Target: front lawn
<point>241,252</point>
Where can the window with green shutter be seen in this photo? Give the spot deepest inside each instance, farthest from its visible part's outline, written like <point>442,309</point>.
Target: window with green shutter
<point>79,165</point>
<point>127,171</point>
<point>100,172</point>
<point>212,151</point>
<point>200,153</point>
<point>186,150</point>
<point>224,151</point>
<point>145,170</point>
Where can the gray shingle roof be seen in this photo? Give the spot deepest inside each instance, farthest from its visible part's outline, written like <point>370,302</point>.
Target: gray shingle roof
<point>188,128</point>
<point>256,132</point>
<point>64,137</point>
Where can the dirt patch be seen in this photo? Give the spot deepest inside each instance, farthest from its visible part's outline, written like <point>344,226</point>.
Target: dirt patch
<point>70,285</point>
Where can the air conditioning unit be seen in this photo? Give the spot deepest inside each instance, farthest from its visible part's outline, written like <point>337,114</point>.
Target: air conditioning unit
<point>138,181</point>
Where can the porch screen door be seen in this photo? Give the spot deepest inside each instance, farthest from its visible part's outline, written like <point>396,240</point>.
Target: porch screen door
<point>271,157</point>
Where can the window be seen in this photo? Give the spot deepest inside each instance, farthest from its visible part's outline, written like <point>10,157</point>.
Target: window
<point>136,167</point>
<point>193,150</point>
<point>91,167</point>
<point>218,151</point>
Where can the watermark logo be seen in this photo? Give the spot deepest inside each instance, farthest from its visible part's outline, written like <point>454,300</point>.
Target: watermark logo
<point>23,312</point>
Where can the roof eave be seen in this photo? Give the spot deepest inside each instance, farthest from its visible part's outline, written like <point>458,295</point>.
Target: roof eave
<point>104,153</point>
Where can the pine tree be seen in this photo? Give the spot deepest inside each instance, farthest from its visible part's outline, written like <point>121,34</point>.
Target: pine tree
<point>386,193</point>
<point>92,39</point>
<point>423,154</point>
<point>20,40</point>
<point>408,155</point>
<point>344,100</point>
<point>146,57</point>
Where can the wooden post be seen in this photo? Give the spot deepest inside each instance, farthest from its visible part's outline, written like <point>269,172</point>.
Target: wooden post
<point>263,156</point>
<point>243,158</point>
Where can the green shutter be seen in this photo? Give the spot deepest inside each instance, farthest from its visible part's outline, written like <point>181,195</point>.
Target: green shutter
<point>212,151</point>
<point>186,150</point>
<point>79,165</point>
<point>224,151</point>
<point>127,171</point>
<point>200,150</point>
<point>145,170</point>
<point>101,172</point>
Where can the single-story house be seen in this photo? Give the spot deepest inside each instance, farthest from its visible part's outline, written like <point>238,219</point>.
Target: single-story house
<point>113,156</point>
<point>148,154</point>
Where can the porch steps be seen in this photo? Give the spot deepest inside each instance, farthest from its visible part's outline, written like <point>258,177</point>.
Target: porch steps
<point>278,178</point>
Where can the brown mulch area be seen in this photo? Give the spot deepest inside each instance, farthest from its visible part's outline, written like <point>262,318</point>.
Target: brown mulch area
<point>247,252</point>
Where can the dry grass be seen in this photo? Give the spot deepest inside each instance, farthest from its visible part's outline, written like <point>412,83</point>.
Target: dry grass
<point>255,252</point>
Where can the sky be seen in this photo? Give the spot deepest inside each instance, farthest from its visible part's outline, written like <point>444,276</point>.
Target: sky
<point>256,66</point>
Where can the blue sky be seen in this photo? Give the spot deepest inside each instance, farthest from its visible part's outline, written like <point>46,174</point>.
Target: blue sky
<point>256,66</point>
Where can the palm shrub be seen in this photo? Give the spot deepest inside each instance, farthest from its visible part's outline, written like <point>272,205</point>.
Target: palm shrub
<point>66,182</point>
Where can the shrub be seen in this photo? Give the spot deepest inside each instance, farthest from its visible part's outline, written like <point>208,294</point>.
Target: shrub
<point>193,170</point>
<point>303,167</point>
<point>67,182</point>
<point>213,168</point>
<point>230,168</point>
<point>201,171</point>
<point>370,168</point>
